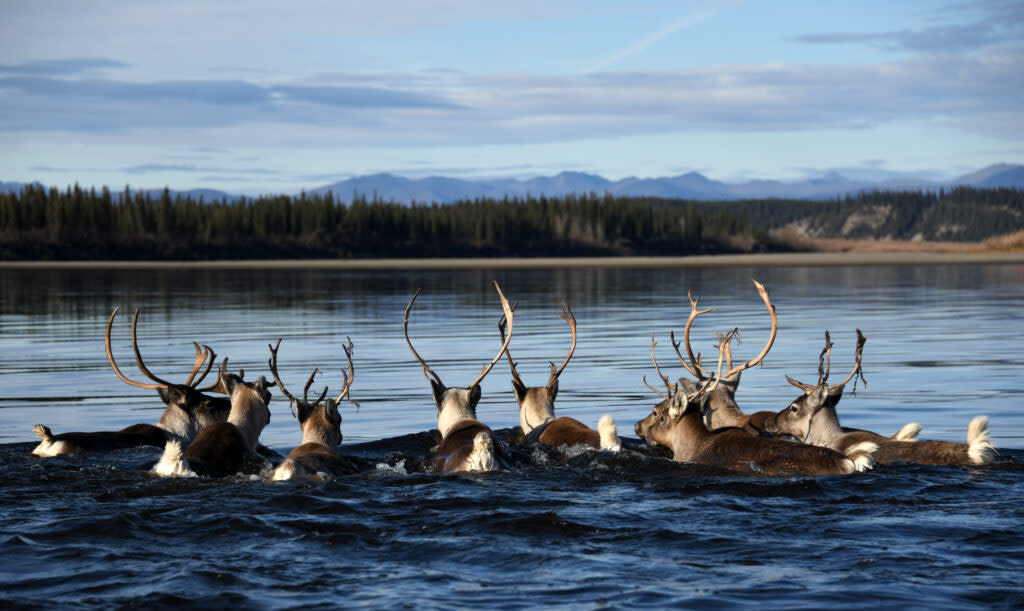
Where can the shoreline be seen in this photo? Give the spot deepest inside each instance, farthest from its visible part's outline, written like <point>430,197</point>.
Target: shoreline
<point>808,259</point>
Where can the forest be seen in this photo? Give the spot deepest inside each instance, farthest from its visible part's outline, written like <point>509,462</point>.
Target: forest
<point>38,223</point>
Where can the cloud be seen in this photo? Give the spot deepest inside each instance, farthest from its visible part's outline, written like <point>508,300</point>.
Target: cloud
<point>62,67</point>
<point>944,39</point>
<point>980,92</point>
<point>207,92</point>
<point>1003,25</point>
<point>361,97</point>
<point>147,168</point>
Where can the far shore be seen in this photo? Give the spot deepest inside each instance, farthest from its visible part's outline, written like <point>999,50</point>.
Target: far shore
<point>807,259</point>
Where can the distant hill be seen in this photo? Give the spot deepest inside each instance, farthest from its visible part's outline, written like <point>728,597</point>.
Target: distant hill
<point>979,176</point>
<point>10,187</point>
<point>690,186</point>
<point>1012,178</point>
<point>693,186</point>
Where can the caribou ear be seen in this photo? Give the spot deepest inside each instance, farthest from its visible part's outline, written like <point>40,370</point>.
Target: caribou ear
<point>168,394</point>
<point>474,395</point>
<point>689,386</point>
<point>331,410</point>
<point>677,406</point>
<point>438,389</point>
<point>818,395</point>
<point>836,392</point>
<point>553,388</point>
<point>520,391</point>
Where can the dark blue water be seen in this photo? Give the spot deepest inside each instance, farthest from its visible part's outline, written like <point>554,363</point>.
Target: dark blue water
<point>595,530</point>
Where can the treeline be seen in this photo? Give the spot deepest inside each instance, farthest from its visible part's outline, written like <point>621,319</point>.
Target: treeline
<point>39,223</point>
<point>74,223</point>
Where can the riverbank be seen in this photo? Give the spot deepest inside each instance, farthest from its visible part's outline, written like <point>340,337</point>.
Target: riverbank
<point>813,259</point>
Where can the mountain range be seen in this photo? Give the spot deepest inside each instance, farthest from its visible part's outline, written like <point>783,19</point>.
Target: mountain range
<point>692,185</point>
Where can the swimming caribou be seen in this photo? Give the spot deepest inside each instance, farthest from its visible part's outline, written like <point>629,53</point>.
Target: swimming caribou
<point>722,410</point>
<point>320,421</point>
<point>466,443</point>
<point>679,423</point>
<point>188,408</point>
<point>537,405</point>
<point>812,418</point>
<point>221,448</point>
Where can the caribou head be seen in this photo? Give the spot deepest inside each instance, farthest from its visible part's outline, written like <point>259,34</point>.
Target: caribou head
<point>456,404</point>
<point>320,419</point>
<point>537,403</point>
<point>722,409</point>
<point>188,409</point>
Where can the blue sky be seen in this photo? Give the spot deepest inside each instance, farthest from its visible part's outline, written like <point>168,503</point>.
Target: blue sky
<point>267,96</point>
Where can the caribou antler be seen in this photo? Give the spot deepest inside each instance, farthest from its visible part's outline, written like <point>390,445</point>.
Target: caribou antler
<point>502,323</point>
<point>696,370</point>
<point>725,343</point>
<point>663,377</point>
<point>113,363</point>
<point>293,401</point>
<point>405,328</point>
<point>763,292</point>
<point>201,356</point>
<point>826,356</point>
<point>504,345</point>
<point>138,355</point>
<point>349,376</point>
<point>825,360</point>
<point>204,354</point>
<point>211,356</point>
<point>857,371</point>
<point>567,316</point>
<point>487,368</point>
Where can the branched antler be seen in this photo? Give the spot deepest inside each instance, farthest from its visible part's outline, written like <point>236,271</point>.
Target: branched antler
<point>502,324</point>
<point>695,370</point>
<point>568,317</point>
<point>293,402</point>
<point>349,376</point>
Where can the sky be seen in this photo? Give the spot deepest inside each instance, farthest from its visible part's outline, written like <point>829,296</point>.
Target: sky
<point>266,96</point>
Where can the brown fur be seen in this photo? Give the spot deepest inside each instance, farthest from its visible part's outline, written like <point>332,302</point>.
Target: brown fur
<point>755,423</point>
<point>105,441</point>
<point>797,418</point>
<point>732,448</point>
<point>218,451</point>
<point>569,432</point>
<point>920,452</point>
<point>316,458</point>
<point>451,455</point>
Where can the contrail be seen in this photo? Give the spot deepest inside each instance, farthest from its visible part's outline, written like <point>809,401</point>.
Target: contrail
<point>646,42</point>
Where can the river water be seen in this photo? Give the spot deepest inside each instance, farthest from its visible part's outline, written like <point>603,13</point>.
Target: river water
<point>596,530</point>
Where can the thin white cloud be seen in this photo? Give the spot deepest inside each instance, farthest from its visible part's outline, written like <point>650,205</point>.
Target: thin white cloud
<point>651,39</point>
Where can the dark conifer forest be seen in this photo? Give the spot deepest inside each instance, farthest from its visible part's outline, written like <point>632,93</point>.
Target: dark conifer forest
<point>37,223</point>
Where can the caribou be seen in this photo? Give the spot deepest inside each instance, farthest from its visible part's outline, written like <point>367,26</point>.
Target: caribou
<point>812,418</point>
<point>722,409</point>
<point>537,405</point>
<point>221,448</point>
<point>909,432</point>
<point>466,443</point>
<point>188,409</point>
<point>320,421</point>
<point>679,422</point>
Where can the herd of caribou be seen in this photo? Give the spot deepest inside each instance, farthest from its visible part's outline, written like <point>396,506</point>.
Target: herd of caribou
<point>698,419</point>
